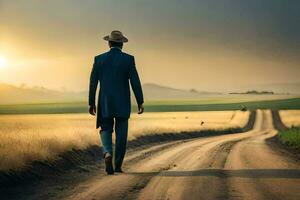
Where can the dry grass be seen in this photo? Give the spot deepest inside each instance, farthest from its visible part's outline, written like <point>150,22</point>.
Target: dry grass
<point>290,117</point>
<point>27,138</point>
<point>176,122</point>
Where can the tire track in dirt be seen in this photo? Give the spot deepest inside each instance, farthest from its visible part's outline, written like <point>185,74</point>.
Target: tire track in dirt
<point>213,156</point>
<point>137,172</point>
<point>218,159</point>
<point>258,172</point>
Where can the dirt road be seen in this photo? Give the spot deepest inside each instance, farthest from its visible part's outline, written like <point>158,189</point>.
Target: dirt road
<point>236,166</point>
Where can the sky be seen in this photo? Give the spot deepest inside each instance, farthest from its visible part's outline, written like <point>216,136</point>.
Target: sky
<point>209,45</point>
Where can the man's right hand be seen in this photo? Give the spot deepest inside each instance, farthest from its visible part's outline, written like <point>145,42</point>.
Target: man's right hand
<point>92,110</point>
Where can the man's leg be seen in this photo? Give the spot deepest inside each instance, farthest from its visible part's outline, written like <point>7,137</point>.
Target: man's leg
<point>121,129</point>
<point>106,139</point>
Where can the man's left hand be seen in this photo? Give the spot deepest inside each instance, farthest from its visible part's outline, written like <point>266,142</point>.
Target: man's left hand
<point>141,109</point>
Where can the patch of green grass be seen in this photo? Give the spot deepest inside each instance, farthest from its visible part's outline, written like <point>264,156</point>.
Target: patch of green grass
<point>290,137</point>
<point>251,105</point>
<point>157,106</point>
<point>221,99</point>
<point>45,108</point>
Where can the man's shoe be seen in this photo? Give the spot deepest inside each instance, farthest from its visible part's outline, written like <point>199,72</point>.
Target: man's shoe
<point>118,170</point>
<point>108,164</point>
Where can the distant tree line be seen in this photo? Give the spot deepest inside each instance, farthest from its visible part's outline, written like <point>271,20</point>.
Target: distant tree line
<point>253,92</point>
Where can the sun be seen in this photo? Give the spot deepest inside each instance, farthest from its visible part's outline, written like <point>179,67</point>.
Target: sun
<point>3,62</point>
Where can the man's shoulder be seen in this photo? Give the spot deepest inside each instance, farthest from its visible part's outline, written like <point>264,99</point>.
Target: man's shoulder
<point>128,56</point>
<point>101,55</point>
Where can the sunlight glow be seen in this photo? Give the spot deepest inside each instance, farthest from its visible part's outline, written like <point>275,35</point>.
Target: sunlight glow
<point>2,62</point>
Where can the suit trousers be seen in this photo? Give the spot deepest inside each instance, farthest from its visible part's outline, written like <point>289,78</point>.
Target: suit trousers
<point>121,131</point>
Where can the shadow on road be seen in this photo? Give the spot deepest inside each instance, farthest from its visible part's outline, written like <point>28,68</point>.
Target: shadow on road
<point>224,173</point>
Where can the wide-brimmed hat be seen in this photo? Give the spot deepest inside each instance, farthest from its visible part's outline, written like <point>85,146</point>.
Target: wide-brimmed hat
<point>116,36</point>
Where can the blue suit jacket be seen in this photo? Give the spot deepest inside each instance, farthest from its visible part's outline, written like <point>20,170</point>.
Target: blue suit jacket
<point>113,70</point>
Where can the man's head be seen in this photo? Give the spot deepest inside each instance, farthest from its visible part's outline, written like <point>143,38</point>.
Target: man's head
<point>116,39</point>
<point>115,44</point>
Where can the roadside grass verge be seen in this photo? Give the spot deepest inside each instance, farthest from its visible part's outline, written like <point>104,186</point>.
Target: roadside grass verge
<point>290,137</point>
<point>287,140</point>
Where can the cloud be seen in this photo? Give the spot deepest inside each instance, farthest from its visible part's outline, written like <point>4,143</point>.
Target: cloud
<point>167,37</point>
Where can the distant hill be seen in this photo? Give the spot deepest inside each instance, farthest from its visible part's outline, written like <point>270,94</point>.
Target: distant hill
<point>155,91</point>
<point>10,94</point>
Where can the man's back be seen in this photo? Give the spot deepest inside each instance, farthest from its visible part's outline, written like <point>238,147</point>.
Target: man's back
<point>113,70</point>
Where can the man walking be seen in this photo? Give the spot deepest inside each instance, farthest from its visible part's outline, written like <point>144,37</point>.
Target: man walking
<point>114,70</point>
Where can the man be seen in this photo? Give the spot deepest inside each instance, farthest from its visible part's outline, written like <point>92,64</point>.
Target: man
<point>114,69</point>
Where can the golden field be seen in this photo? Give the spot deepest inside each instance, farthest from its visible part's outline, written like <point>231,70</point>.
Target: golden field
<point>290,117</point>
<point>27,138</point>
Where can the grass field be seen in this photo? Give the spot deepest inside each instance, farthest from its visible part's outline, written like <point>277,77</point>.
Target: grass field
<point>205,104</point>
<point>41,136</point>
<point>290,118</point>
<point>291,137</point>
<point>27,138</point>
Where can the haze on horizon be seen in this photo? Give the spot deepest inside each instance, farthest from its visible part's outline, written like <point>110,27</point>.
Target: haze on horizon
<point>212,45</point>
